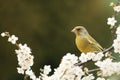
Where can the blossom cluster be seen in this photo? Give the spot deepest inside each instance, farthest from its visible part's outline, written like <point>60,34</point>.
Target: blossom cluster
<point>25,59</point>
<point>91,56</point>
<point>69,67</point>
<point>67,70</point>
<point>117,8</point>
<point>108,67</point>
<point>111,20</point>
<point>116,42</point>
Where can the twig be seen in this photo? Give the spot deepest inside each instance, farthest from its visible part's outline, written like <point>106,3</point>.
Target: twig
<point>106,50</point>
<point>63,73</point>
<point>93,70</point>
<point>25,77</point>
<point>82,63</point>
<point>113,32</point>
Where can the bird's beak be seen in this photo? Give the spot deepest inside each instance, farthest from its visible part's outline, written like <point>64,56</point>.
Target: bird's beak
<point>73,30</point>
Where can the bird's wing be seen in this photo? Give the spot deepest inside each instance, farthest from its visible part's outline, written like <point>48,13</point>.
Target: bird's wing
<point>94,42</point>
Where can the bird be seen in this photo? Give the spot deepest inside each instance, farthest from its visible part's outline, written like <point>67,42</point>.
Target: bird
<point>84,41</point>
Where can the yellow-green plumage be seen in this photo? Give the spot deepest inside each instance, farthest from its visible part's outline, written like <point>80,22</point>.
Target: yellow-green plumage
<point>84,42</point>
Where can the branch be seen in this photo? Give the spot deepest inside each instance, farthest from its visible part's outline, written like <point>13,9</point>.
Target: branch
<point>25,77</point>
<point>106,50</point>
<point>63,74</point>
<point>93,70</point>
<point>80,64</point>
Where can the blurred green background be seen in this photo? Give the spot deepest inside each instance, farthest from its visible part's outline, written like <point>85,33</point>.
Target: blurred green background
<point>45,26</point>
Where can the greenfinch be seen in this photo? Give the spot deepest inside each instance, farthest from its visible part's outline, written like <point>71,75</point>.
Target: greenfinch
<point>84,42</point>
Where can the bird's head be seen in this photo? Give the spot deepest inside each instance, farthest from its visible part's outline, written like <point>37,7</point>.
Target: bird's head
<point>79,30</point>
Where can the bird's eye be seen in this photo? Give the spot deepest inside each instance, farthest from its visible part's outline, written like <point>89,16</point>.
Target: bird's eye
<point>78,29</point>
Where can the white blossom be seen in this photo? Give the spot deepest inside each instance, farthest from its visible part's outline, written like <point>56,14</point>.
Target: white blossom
<point>98,56</point>
<point>89,77</point>
<point>112,4</point>
<point>116,8</point>
<point>12,39</point>
<point>71,58</point>
<point>30,73</point>
<point>25,60</point>
<point>116,42</point>
<point>118,31</point>
<point>66,70</point>
<point>78,71</point>
<point>111,21</point>
<point>99,78</point>
<point>91,55</point>
<point>67,67</point>
<point>3,34</point>
<point>47,69</point>
<point>24,48</point>
<point>108,67</point>
<point>44,77</point>
<point>37,79</point>
<point>84,57</point>
<point>20,70</point>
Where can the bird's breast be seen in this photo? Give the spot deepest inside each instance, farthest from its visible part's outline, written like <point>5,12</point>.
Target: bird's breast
<point>82,43</point>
